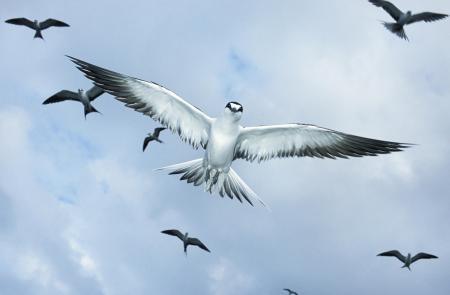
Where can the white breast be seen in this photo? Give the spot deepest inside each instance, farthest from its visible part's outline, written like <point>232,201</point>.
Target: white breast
<point>221,143</point>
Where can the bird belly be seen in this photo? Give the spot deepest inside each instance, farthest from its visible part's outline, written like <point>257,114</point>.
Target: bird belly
<point>403,20</point>
<point>220,150</point>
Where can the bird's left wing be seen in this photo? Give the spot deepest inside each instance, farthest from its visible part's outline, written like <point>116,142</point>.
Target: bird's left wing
<point>52,23</point>
<point>161,104</point>
<point>21,21</point>
<point>426,17</point>
<point>94,92</point>
<point>422,255</point>
<point>173,232</point>
<point>146,142</point>
<point>197,242</point>
<point>300,140</point>
<point>390,8</point>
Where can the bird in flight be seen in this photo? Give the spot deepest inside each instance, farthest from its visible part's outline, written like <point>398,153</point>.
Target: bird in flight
<point>224,139</point>
<point>153,136</point>
<point>290,292</point>
<point>402,19</point>
<point>186,239</point>
<point>408,260</point>
<point>85,97</point>
<point>36,25</point>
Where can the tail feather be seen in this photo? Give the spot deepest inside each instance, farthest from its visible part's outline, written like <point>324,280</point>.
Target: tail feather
<point>38,35</point>
<point>396,29</point>
<point>229,184</point>
<point>89,109</point>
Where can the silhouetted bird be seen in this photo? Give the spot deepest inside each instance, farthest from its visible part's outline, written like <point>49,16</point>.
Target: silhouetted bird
<point>408,260</point>
<point>403,19</point>
<point>37,26</point>
<point>153,136</point>
<point>85,97</point>
<point>290,292</point>
<point>186,240</point>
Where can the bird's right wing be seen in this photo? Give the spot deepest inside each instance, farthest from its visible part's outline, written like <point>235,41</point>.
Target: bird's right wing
<point>422,255</point>
<point>394,253</point>
<point>52,23</point>
<point>173,232</point>
<point>62,96</point>
<point>158,130</point>
<point>21,22</point>
<point>198,243</point>
<point>161,104</point>
<point>94,92</point>
<point>426,17</point>
<point>299,140</point>
<point>388,7</point>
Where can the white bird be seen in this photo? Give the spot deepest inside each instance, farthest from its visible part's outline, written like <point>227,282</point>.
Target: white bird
<point>36,25</point>
<point>402,19</point>
<point>408,260</point>
<point>224,139</point>
<point>85,97</point>
<point>186,239</point>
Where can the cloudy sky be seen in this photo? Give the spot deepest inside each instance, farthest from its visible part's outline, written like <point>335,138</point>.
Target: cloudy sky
<point>81,208</point>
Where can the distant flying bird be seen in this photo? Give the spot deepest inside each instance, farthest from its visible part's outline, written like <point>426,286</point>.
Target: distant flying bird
<point>153,136</point>
<point>402,19</point>
<point>185,239</point>
<point>408,260</point>
<point>290,292</point>
<point>37,26</point>
<point>85,97</point>
<point>224,139</point>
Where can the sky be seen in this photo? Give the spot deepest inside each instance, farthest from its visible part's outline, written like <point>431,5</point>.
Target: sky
<point>81,207</point>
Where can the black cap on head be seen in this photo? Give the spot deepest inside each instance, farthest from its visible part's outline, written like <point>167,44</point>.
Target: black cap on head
<point>234,107</point>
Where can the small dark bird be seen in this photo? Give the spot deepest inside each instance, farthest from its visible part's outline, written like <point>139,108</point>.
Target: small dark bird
<point>154,136</point>
<point>36,25</point>
<point>186,240</point>
<point>402,19</point>
<point>290,292</point>
<point>408,260</point>
<point>85,97</point>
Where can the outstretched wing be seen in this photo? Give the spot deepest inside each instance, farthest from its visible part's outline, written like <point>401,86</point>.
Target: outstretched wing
<point>161,104</point>
<point>146,142</point>
<point>173,232</point>
<point>62,96</point>
<point>394,253</point>
<point>388,7</point>
<point>198,243</point>
<point>300,140</point>
<point>52,23</point>
<point>426,17</point>
<point>158,130</point>
<point>21,21</point>
<point>290,291</point>
<point>422,255</point>
<point>94,92</point>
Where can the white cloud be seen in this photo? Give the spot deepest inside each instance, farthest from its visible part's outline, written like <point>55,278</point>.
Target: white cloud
<point>226,278</point>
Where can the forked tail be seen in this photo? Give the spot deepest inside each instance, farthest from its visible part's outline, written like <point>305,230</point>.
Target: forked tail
<point>38,34</point>
<point>396,29</point>
<point>229,184</point>
<point>89,109</point>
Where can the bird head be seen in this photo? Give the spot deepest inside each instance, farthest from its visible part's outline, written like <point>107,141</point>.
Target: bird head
<point>409,13</point>
<point>234,109</point>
